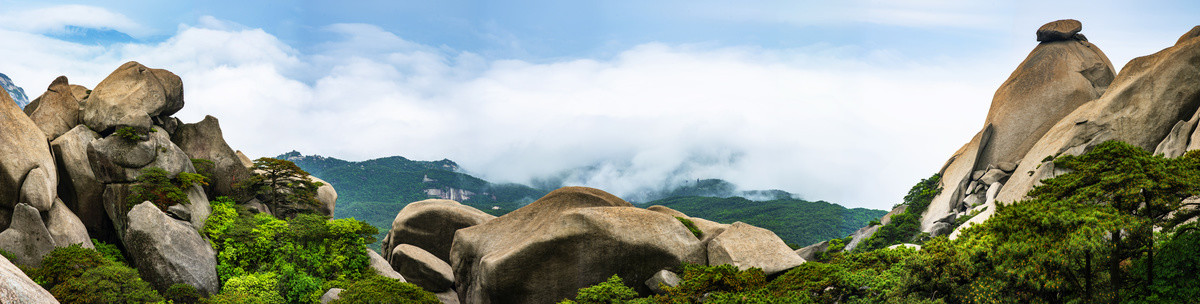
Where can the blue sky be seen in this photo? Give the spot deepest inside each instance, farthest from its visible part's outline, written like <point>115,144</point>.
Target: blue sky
<point>847,101</point>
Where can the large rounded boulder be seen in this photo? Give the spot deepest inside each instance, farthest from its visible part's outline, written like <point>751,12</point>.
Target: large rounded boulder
<point>132,96</point>
<point>430,225</point>
<point>168,251</point>
<point>78,188</point>
<point>27,173</point>
<point>746,247</point>
<point>204,140</point>
<point>573,237</point>
<point>57,110</point>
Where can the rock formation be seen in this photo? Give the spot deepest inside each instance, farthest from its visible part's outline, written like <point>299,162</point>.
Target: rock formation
<point>746,246</point>
<point>17,288</point>
<point>571,238</point>
<point>204,140</point>
<point>430,225</point>
<point>168,251</point>
<point>57,110</point>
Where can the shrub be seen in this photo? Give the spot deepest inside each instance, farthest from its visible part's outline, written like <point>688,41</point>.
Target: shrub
<point>691,226</point>
<point>182,293</point>
<point>612,291</point>
<point>379,289</point>
<point>262,285</point>
<point>282,184</point>
<point>232,297</point>
<point>906,227</point>
<point>110,283</point>
<point>66,263</point>
<point>109,251</point>
<point>155,185</point>
<point>130,134</point>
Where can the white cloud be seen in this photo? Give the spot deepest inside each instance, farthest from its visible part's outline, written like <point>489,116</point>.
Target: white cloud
<point>838,123</point>
<point>56,19</point>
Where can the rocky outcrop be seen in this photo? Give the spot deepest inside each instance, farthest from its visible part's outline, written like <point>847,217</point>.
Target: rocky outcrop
<point>709,229</point>
<point>430,225</point>
<point>381,266</point>
<point>1150,96</point>
<point>17,288</point>
<point>421,268</point>
<point>65,228</point>
<point>746,246</point>
<point>132,96</point>
<point>330,295</point>
<point>326,195</point>
<point>661,280</point>
<point>168,251</point>
<point>57,110</point>
<point>811,252</point>
<point>116,159</point>
<point>27,173</point>
<point>204,140</point>
<point>27,237</point>
<point>571,238</point>
<point>1059,30</point>
<point>78,187</point>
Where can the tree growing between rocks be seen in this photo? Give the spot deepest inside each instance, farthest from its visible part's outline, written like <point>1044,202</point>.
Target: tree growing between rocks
<point>282,185</point>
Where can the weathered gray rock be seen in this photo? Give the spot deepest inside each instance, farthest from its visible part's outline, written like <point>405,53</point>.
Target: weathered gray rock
<point>993,176</point>
<point>204,140</point>
<point>382,267</point>
<point>1059,30</point>
<point>940,229</point>
<point>1140,107</point>
<point>17,288</point>
<point>168,251</point>
<point>198,206</point>
<point>245,160</point>
<point>80,92</point>
<point>256,206</point>
<point>65,227</point>
<point>430,225</point>
<point>58,109</point>
<point>26,166</point>
<point>421,268</point>
<point>810,252</point>
<point>119,160</point>
<point>710,229</point>
<point>180,212</point>
<point>326,195</point>
<point>662,279</point>
<point>887,218</point>
<point>573,237</point>
<point>746,246</point>
<point>130,97</point>
<point>78,188</point>
<point>447,297</point>
<point>27,237</point>
<point>860,236</point>
<point>116,207</point>
<point>330,295</point>
<point>1176,142</point>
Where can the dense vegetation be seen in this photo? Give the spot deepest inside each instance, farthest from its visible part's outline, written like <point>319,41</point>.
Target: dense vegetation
<point>797,222</point>
<point>906,226</point>
<point>1114,229</point>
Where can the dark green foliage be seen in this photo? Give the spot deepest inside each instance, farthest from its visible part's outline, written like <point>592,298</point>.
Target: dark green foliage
<point>66,263</point>
<point>690,226</point>
<point>232,297</point>
<point>109,251</point>
<point>795,221</point>
<point>379,289</point>
<point>906,226</point>
<point>1177,266</point>
<point>8,255</point>
<point>182,294</point>
<point>282,185</point>
<point>110,283</point>
<point>612,291</point>
<point>157,186</point>
<point>130,134</point>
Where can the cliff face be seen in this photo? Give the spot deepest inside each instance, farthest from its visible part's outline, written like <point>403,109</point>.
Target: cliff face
<point>1064,99</point>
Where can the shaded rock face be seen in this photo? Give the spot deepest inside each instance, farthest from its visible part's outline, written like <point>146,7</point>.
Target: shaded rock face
<point>572,238</point>
<point>167,251</point>
<point>27,172</point>
<point>17,288</point>
<point>78,188</point>
<point>27,237</point>
<point>422,268</point>
<point>204,140</point>
<point>381,266</point>
<point>430,225</point>
<point>131,97</point>
<point>57,110</point>
<point>746,247</point>
<point>65,227</point>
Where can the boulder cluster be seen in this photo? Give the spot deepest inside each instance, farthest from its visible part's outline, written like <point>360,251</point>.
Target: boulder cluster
<point>572,238</point>
<point>69,162</point>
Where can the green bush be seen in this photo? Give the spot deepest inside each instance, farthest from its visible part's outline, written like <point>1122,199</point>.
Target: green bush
<point>262,285</point>
<point>182,293</point>
<point>109,251</point>
<point>282,184</point>
<point>379,289</point>
<point>691,226</point>
<point>612,291</point>
<point>110,283</point>
<point>906,227</point>
<point>232,297</point>
<point>66,263</point>
<point>157,186</point>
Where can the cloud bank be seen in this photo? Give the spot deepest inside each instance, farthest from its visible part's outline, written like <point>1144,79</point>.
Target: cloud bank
<point>844,124</point>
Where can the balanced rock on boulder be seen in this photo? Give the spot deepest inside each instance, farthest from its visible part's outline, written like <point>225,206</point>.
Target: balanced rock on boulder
<point>573,237</point>
<point>430,225</point>
<point>133,96</point>
<point>1059,30</point>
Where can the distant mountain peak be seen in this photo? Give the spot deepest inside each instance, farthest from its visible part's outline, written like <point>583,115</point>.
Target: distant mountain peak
<point>17,93</point>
